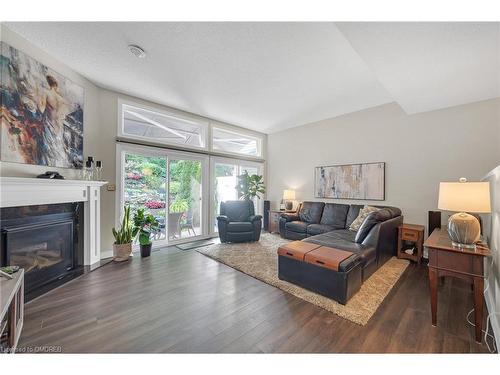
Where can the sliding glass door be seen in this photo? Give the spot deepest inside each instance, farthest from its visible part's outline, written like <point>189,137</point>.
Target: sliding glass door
<point>185,198</point>
<point>182,190</point>
<point>144,186</point>
<point>225,174</point>
<point>167,184</point>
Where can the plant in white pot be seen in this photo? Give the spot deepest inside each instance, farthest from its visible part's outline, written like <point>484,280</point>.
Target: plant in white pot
<point>124,236</point>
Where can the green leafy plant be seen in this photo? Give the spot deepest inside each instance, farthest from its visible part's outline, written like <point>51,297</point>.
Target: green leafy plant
<point>145,225</point>
<point>250,186</point>
<point>126,233</point>
<point>179,205</point>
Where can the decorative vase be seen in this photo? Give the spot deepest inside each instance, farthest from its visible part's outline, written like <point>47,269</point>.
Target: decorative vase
<point>464,230</point>
<point>146,250</point>
<point>122,252</point>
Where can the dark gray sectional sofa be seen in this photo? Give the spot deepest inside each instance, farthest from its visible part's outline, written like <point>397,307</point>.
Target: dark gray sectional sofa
<point>327,224</point>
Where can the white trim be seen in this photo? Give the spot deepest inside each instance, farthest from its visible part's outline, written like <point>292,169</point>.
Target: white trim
<point>168,154</point>
<point>168,112</point>
<point>206,123</point>
<point>490,305</point>
<point>22,191</point>
<point>259,138</point>
<point>238,163</point>
<point>106,254</point>
<point>492,275</point>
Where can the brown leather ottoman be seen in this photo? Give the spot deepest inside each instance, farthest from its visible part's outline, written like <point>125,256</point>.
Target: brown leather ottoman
<point>297,249</point>
<point>331,272</point>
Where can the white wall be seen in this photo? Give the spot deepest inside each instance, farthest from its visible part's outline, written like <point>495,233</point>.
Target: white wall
<point>100,131</point>
<point>419,150</point>
<point>97,140</point>
<point>492,231</point>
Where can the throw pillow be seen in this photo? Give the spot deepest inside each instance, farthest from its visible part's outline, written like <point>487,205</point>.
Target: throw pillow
<point>363,213</point>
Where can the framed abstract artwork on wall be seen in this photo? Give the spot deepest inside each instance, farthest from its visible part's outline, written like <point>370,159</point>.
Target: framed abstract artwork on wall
<point>41,114</point>
<point>351,181</point>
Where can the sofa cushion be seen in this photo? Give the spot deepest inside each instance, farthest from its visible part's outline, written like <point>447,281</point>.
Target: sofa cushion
<point>314,229</point>
<point>341,234</point>
<point>371,220</point>
<point>310,212</point>
<point>365,228</point>
<point>239,226</point>
<point>297,226</point>
<point>352,214</point>
<point>335,214</point>
<point>392,211</point>
<point>363,213</point>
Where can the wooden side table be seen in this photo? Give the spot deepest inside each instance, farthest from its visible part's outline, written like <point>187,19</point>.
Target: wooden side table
<point>11,311</point>
<point>467,264</point>
<point>274,220</point>
<point>414,234</point>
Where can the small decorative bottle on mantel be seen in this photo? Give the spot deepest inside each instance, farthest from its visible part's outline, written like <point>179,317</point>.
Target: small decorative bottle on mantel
<point>98,170</point>
<point>88,171</point>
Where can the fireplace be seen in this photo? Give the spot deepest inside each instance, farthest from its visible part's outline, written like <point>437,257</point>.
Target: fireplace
<point>45,240</point>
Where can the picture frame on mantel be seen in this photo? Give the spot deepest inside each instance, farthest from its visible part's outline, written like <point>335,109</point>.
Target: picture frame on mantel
<point>363,181</point>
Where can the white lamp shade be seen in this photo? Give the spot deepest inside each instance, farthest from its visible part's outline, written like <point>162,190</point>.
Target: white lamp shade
<point>464,197</point>
<point>289,194</point>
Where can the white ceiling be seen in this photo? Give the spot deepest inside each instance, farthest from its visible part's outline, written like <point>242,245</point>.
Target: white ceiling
<point>272,76</point>
<point>427,66</point>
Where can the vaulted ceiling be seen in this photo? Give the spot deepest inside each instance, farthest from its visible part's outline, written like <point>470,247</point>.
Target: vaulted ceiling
<point>272,76</point>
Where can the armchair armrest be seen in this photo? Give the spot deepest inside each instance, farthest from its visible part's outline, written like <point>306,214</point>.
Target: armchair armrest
<point>222,218</point>
<point>289,216</point>
<point>255,218</point>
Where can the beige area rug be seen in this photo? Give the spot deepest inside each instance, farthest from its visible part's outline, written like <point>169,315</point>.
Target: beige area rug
<point>260,260</point>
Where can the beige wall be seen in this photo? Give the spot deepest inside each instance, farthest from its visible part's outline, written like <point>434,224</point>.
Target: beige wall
<point>419,150</point>
<point>98,140</point>
<point>100,131</point>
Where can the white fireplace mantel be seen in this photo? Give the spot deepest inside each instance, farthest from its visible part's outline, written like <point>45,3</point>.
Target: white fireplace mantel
<point>23,191</point>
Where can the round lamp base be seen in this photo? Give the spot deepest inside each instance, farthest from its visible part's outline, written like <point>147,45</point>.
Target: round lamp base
<point>464,230</point>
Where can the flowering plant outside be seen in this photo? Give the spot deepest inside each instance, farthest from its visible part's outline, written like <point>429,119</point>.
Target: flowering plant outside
<point>133,176</point>
<point>154,204</point>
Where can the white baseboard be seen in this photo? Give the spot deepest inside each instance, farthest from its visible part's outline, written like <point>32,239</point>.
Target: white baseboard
<point>495,319</point>
<point>106,254</point>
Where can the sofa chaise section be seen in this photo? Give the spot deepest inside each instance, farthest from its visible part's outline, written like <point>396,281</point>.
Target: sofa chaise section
<point>375,242</point>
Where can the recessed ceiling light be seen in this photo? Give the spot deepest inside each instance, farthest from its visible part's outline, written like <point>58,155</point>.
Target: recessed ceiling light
<point>137,51</point>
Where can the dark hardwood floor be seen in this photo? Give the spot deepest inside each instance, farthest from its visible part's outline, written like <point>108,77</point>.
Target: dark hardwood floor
<point>182,301</point>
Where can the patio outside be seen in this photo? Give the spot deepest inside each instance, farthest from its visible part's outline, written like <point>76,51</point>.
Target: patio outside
<point>146,187</point>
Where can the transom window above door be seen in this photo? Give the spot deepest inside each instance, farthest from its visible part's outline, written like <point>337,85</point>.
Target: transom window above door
<point>171,127</point>
<point>165,127</point>
<point>234,142</point>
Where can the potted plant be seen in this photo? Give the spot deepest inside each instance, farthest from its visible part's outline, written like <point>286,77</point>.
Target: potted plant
<point>145,225</point>
<point>250,186</point>
<point>124,236</point>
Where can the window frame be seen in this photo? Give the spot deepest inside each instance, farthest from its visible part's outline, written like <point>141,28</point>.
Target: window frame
<point>207,124</point>
<point>171,112</point>
<point>168,154</point>
<point>241,132</point>
<point>261,168</point>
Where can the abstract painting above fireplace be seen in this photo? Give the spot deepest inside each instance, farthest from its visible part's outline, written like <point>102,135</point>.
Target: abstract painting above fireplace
<point>41,114</point>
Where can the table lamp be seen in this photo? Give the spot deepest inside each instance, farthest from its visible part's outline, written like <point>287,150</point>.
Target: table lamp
<point>464,229</point>
<point>289,197</point>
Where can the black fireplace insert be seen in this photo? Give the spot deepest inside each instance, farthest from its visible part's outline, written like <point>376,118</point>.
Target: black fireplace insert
<point>45,240</point>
